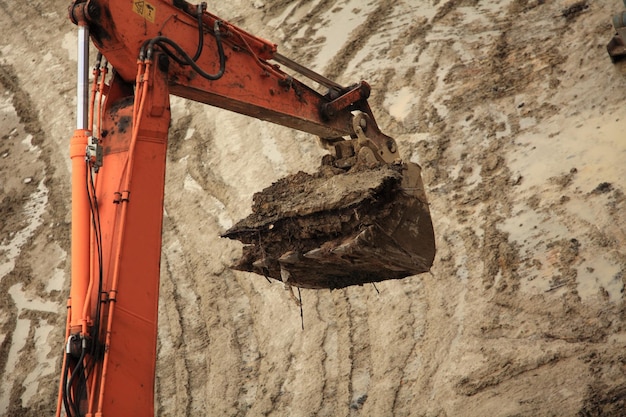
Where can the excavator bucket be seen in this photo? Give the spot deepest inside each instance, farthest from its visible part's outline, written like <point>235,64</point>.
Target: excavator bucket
<point>334,229</point>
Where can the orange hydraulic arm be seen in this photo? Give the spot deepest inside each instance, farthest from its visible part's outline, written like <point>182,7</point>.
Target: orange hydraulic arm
<point>238,74</point>
<point>118,152</point>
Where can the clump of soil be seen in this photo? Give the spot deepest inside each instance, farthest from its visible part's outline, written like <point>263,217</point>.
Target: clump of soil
<point>332,230</point>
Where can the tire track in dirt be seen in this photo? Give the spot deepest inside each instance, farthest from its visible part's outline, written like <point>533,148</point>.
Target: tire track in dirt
<point>358,38</point>
<point>247,346</point>
<point>329,358</point>
<point>479,203</point>
<point>501,277</point>
<point>353,350</point>
<point>244,342</point>
<point>189,143</point>
<point>29,317</point>
<point>25,315</point>
<point>360,352</point>
<point>175,328</point>
<point>34,68</point>
<point>414,361</point>
<point>187,351</point>
<point>220,319</point>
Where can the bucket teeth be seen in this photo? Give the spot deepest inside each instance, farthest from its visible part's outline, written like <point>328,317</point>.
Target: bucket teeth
<point>289,257</point>
<point>260,263</point>
<point>342,249</point>
<point>284,275</point>
<point>316,254</point>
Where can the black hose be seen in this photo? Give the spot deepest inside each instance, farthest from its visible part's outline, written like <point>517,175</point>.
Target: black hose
<point>201,8</point>
<point>183,58</point>
<point>200,46</point>
<point>66,402</point>
<point>70,402</point>
<point>95,218</point>
<point>77,369</point>
<point>160,40</point>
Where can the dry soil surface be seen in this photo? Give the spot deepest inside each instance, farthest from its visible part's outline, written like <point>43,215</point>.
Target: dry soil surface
<point>518,118</point>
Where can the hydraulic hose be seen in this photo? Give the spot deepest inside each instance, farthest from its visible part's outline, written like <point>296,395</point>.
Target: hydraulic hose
<point>148,48</point>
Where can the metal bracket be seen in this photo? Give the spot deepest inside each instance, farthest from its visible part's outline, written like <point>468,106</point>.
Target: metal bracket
<point>121,197</point>
<point>358,92</point>
<point>368,145</point>
<point>385,152</point>
<point>94,153</point>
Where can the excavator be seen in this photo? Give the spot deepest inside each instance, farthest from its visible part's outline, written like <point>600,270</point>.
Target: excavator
<point>363,217</point>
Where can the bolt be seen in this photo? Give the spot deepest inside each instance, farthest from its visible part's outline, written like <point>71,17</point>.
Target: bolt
<point>328,110</point>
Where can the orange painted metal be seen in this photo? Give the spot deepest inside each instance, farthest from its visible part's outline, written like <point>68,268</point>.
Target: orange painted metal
<point>251,84</point>
<point>129,194</point>
<point>80,232</point>
<point>131,187</point>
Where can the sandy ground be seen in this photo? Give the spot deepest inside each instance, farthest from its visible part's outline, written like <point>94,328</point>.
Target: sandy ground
<point>517,117</point>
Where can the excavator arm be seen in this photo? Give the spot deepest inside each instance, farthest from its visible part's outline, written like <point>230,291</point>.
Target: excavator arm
<point>230,68</point>
<point>379,228</point>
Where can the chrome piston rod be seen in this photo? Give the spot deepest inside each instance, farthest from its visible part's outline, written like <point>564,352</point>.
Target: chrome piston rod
<point>82,105</point>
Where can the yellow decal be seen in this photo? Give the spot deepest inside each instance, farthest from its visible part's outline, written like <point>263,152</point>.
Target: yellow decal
<point>145,9</point>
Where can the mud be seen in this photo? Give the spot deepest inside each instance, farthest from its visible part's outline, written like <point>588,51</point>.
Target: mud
<point>334,229</point>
